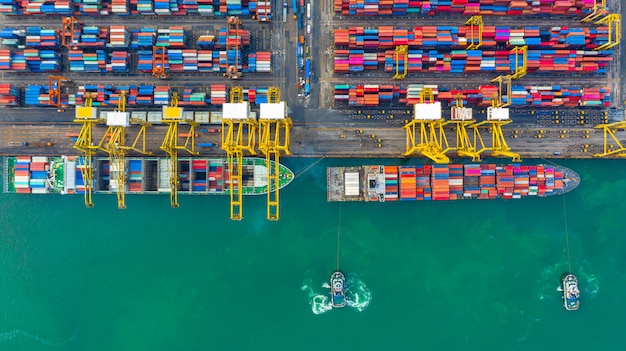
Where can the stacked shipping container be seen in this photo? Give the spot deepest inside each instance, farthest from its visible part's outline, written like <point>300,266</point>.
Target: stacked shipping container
<point>475,181</point>
<point>458,37</point>
<point>132,7</point>
<point>536,96</point>
<point>466,7</point>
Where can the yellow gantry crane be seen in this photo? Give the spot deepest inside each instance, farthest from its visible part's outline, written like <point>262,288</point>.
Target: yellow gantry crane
<point>274,128</point>
<point>401,51</point>
<point>599,9</point>
<point>521,68</point>
<point>609,131</point>
<point>614,22</point>
<point>461,118</point>
<point>432,141</point>
<point>173,116</point>
<point>497,116</point>
<point>117,122</point>
<point>238,136</point>
<point>475,22</point>
<point>86,115</point>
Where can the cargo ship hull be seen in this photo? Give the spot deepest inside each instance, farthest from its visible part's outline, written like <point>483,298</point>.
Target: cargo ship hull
<point>150,175</point>
<point>447,182</point>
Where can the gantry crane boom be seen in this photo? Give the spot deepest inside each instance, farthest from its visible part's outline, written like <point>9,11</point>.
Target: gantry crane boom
<point>274,138</point>
<point>433,142</point>
<point>86,115</point>
<point>117,122</point>
<point>235,141</point>
<point>173,116</point>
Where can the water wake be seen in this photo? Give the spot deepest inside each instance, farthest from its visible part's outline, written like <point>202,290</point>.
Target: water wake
<point>358,296</point>
<point>13,334</point>
<point>548,286</point>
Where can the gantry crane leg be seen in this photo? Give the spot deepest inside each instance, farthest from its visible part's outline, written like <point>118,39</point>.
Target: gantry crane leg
<point>433,142</point>
<point>599,9</point>
<point>614,22</point>
<point>401,51</point>
<point>609,132</point>
<point>520,67</point>
<point>499,147</point>
<point>475,43</point>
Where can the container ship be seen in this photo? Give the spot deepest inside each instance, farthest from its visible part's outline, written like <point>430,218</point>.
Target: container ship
<point>447,182</point>
<point>150,175</point>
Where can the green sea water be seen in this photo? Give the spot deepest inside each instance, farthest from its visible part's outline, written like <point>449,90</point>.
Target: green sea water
<point>459,275</point>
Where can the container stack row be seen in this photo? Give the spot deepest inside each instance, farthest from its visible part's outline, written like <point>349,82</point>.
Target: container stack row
<point>199,182</point>
<point>172,37</point>
<point>31,37</point>
<point>30,60</point>
<point>31,174</point>
<point>7,6</point>
<point>192,60</point>
<point>132,7</point>
<point>99,61</point>
<point>466,7</point>
<point>9,95</point>
<point>142,95</point>
<point>85,37</point>
<point>451,37</point>
<point>391,183</point>
<point>231,37</point>
<point>536,96</point>
<point>366,95</point>
<point>407,182</point>
<point>477,181</point>
<point>473,61</point>
<point>135,178</point>
<point>216,169</point>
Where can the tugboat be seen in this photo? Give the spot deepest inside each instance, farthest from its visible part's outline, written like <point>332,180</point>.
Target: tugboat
<point>571,295</point>
<point>337,289</point>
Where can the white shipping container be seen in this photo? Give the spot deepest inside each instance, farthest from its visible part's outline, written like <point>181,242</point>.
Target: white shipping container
<point>40,159</point>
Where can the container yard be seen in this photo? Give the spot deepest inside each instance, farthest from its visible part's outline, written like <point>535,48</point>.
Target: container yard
<point>357,78</point>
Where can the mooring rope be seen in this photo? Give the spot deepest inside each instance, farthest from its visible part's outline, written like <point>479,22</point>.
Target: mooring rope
<point>338,235</point>
<point>309,167</point>
<point>569,259</point>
